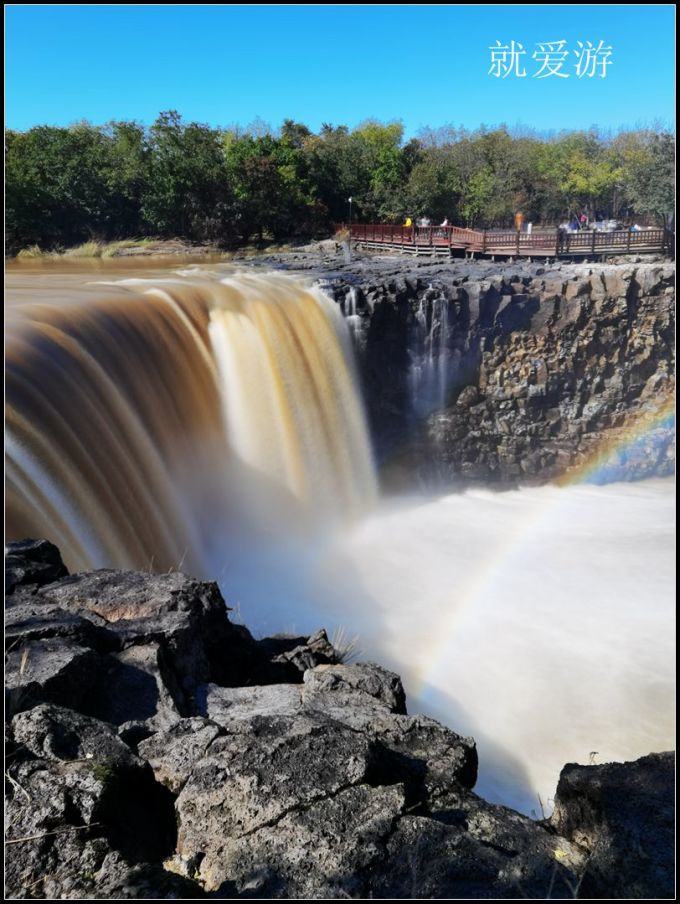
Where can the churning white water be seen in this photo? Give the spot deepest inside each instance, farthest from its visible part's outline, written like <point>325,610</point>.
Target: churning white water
<point>539,621</point>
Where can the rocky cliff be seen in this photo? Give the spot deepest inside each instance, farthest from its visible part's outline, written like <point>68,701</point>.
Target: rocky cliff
<point>156,750</point>
<point>512,373</point>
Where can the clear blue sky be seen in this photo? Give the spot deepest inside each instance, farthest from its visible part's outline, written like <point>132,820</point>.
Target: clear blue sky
<point>426,66</point>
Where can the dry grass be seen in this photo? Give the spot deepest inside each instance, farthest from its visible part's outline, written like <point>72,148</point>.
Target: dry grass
<point>31,253</point>
<point>113,249</point>
<point>87,249</point>
<point>346,647</point>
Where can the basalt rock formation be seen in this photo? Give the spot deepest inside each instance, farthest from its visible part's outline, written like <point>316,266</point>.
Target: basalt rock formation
<point>156,750</point>
<point>514,373</point>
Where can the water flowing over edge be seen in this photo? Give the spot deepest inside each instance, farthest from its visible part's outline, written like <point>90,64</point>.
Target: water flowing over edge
<point>141,428</point>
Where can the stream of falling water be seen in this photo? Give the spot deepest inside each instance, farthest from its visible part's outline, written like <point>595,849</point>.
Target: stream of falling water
<point>144,425</point>
<point>209,420</point>
<point>430,371</point>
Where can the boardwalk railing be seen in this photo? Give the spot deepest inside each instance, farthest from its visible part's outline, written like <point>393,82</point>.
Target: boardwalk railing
<point>554,243</point>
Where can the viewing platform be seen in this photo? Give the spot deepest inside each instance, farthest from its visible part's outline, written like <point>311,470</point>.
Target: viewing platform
<point>445,240</point>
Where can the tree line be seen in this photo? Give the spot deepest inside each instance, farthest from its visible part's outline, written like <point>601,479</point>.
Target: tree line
<point>231,186</point>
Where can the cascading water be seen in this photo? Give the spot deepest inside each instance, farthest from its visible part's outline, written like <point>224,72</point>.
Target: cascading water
<point>432,362</point>
<point>352,316</point>
<point>141,426</point>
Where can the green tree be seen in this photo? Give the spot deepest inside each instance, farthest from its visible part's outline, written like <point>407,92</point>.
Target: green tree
<point>648,174</point>
<point>582,175</point>
<point>337,170</point>
<point>187,193</point>
<point>479,194</point>
<point>66,185</point>
<point>56,186</point>
<point>381,169</point>
<point>434,185</point>
<point>126,177</point>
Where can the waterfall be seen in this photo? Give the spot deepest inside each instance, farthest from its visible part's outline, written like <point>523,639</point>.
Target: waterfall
<point>352,317</point>
<point>152,423</point>
<point>432,361</point>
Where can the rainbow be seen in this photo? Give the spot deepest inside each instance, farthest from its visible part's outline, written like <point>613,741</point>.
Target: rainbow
<point>605,463</point>
<point>643,432</point>
<point>431,672</point>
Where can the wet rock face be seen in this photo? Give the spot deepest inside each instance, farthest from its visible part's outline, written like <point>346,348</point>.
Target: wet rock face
<point>139,765</point>
<point>515,373</point>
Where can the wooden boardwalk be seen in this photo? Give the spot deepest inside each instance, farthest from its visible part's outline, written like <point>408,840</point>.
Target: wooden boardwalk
<point>444,240</point>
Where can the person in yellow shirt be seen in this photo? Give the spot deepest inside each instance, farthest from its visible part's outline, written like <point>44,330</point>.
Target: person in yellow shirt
<point>408,222</point>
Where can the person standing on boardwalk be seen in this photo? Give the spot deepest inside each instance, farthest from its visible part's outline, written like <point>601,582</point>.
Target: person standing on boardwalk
<point>561,234</point>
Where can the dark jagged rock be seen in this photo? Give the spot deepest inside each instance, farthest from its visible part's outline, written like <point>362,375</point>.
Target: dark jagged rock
<point>138,684</point>
<point>173,753</point>
<point>117,878</point>
<point>371,679</point>
<point>248,781</point>
<point>286,659</point>
<point>348,711</point>
<point>30,618</point>
<point>32,562</point>
<point>59,734</point>
<point>184,617</point>
<point>321,786</point>
<point>425,755</point>
<point>415,750</point>
<point>160,636</point>
<point>227,705</point>
<point>513,858</point>
<point>623,815</point>
<point>138,647</point>
<point>512,373</point>
<point>329,849</point>
<point>53,670</point>
<point>77,794</point>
